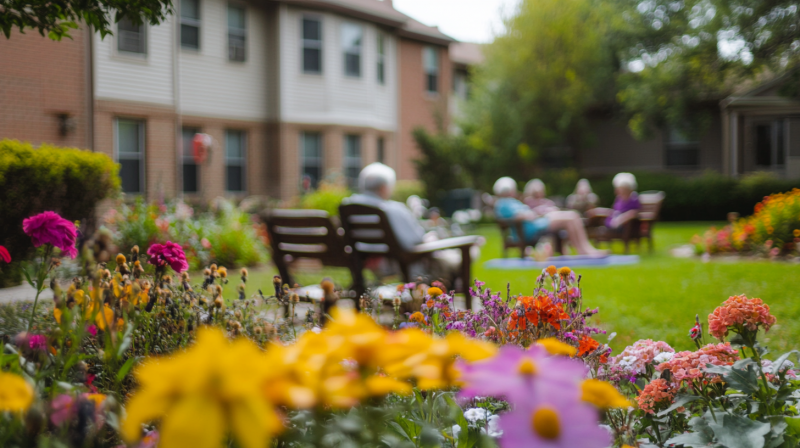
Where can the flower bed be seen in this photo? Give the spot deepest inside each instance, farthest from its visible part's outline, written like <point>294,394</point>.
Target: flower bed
<point>772,230</point>
<point>138,359</point>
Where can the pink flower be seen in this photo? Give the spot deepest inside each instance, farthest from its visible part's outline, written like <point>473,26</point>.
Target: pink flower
<point>688,365</point>
<point>37,342</point>
<point>205,243</point>
<point>658,392</point>
<point>168,253</point>
<point>4,255</point>
<point>92,330</point>
<point>62,407</point>
<point>50,228</point>
<point>635,358</point>
<point>740,313</point>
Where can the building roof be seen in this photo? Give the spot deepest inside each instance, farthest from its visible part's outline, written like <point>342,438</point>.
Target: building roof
<point>382,12</point>
<point>466,53</point>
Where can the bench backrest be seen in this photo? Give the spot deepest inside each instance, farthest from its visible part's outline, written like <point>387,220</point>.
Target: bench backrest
<point>368,232</point>
<point>651,205</point>
<point>306,234</point>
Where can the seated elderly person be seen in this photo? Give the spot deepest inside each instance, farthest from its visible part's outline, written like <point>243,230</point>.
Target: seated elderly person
<point>509,208</point>
<point>534,195</point>
<point>376,184</point>
<point>626,204</point>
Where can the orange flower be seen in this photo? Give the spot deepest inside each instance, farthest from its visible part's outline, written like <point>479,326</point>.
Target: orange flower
<point>434,292</point>
<point>417,317</point>
<point>551,270</point>
<point>564,272</point>
<point>587,345</point>
<point>533,311</point>
<point>430,303</point>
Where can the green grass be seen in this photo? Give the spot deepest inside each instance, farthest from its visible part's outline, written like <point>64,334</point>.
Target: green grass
<point>657,298</point>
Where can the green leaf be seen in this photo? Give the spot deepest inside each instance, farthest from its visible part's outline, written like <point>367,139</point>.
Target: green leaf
<point>741,375</point>
<point>400,430</point>
<point>739,432</point>
<point>680,400</point>
<point>125,368</point>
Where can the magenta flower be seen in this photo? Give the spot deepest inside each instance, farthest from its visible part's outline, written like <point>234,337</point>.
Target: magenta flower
<point>38,342</point>
<point>555,418</point>
<point>4,255</point>
<point>168,254</point>
<point>92,329</point>
<point>524,373</point>
<point>51,228</point>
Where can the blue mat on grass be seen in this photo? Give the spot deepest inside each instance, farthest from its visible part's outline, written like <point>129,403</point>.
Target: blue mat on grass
<point>572,261</point>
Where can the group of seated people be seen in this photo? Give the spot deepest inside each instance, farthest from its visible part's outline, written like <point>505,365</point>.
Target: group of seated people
<point>540,215</point>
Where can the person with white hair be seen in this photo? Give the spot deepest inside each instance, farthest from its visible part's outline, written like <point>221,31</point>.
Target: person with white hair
<point>534,195</point>
<point>507,206</point>
<point>582,199</point>
<point>626,204</point>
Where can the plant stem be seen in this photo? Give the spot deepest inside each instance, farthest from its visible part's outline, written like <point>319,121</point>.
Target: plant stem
<point>42,275</point>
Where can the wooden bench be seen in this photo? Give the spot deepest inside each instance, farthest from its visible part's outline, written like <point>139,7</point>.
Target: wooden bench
<point>634,229</point>
<point>368,234</point>
<point>510,242</point>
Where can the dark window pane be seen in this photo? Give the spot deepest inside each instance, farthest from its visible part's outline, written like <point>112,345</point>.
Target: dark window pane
<point>312,29</point>
<point>236,17</point>
<point>352,64</point>
<point>314,173</point>
<point>130,175</point>
<point>381,150</point>
<point>433,83</point>
<point>236,47</point>
<point>190,9</point>
<point>190,36</point>
<point>190,177</point>
<point>128,136</point>
<point>381,72</point>
<point>235,178</point>
<point>764,145</point>
<point>130,37</point>
<point>683,157</point>
<point>312,60</point>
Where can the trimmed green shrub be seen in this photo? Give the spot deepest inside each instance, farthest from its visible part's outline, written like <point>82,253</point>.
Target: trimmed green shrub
<point>69,181</point>
<point>327,197</point>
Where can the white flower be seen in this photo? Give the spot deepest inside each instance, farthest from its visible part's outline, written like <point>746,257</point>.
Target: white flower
<point>493,426</point>
<point>663,357</point>
<point>317,330</point>
<point>475,414</point>
<point>456,430</point>
<point>628,362</point>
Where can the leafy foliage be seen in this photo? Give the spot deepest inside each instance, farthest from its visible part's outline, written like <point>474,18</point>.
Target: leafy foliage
<point>327,197</point>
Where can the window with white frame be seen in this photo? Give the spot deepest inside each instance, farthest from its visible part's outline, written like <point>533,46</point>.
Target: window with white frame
<point>311,158</point>
<point>352,37</point>
<point>131,38</point>
<point>130,154</point>
<point>430,60</point>
<point>352,159</point>
<point>190,24</point>
<point>235,155</point>
<point>237,33</point>
<point>381,59</point>
<point>312,45</point>
<point>189,168</point>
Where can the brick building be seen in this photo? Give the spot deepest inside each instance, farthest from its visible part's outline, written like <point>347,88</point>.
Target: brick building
<point>291,91</point>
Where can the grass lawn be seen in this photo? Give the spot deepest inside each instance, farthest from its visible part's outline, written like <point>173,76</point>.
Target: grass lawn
<point>657,298</point>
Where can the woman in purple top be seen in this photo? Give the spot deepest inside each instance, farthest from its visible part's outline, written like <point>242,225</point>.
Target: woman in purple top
<point>626,205</point>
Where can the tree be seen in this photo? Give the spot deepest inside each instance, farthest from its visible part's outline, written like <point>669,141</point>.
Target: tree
<point>56,17</point>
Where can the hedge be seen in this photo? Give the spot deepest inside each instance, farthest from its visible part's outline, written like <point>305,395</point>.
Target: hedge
<point>69,181</point>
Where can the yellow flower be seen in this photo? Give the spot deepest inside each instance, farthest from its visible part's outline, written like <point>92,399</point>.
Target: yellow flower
<point>57,314</point>
<point>434,292</point>
<point>106,317</point>
<point>98,399</point>
<point>602,395</point>
<point>15,393</point>
<point>223,271</point>
<point>80,296</point>
<point>564,272</point>
<point>796,233</point>
<point>203,393</point>
<point>556,347</point>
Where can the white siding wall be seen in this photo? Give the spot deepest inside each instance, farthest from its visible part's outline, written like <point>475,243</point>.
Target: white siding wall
<point>332,97</point>
<point>134,78</point>
<point>213,86</point>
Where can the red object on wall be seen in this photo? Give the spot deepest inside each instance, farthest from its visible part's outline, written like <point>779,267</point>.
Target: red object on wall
<point>201,144</point>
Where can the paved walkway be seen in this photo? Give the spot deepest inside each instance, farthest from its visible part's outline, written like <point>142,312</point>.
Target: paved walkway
<point>23,293</point>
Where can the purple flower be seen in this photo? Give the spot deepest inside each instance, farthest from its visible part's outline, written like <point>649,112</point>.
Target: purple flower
<point>38,342</point>
<point>524,373</point>
<point>50,228</point>
<point>555,418</point>
<point>168,254</point>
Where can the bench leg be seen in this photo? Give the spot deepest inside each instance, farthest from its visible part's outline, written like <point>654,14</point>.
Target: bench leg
<point>466,274</point>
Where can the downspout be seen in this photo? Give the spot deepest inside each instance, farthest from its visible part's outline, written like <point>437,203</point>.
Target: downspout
<point>90,88</point>
<point>177,104</point>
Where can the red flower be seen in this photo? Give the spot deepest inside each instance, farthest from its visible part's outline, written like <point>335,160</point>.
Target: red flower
<point>168,254</point>
<point>51,228</point>
<point>534,310</point>
<point>4,255</point>
<point>587,345</point>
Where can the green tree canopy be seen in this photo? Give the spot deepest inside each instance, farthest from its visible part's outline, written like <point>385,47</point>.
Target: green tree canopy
<point>55,18</point>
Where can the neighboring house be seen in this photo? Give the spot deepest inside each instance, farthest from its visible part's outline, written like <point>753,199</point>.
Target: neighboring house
<point>292,91</point>
<point>464,57</point>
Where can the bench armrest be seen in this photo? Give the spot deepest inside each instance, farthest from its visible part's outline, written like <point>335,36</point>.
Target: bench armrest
<point>447,243</point>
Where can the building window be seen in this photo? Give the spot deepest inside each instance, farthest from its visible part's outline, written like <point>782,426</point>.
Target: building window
<point>190,24</point>
<point>352,159</point>
<point>681,149</point>
<point>190,170</point>
<point>352,36</point>
<point>237,33</point>
<point>770,152</point>
<point>381,150</point>
<point>130,154</point>
<point>312,45</point>
<point>381,59</point>
<point>310,159</point>
<point>430,59</point>
<point>235,161</point>
<point>131,38</point>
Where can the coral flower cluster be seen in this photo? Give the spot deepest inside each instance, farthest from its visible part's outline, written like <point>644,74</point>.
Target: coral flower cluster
<point>656,395</point>
<point>688,365</point>
<point>739,313</point>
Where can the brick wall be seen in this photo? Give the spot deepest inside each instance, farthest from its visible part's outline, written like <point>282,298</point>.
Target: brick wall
<point>40,79</point>
<point>418,107</point>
